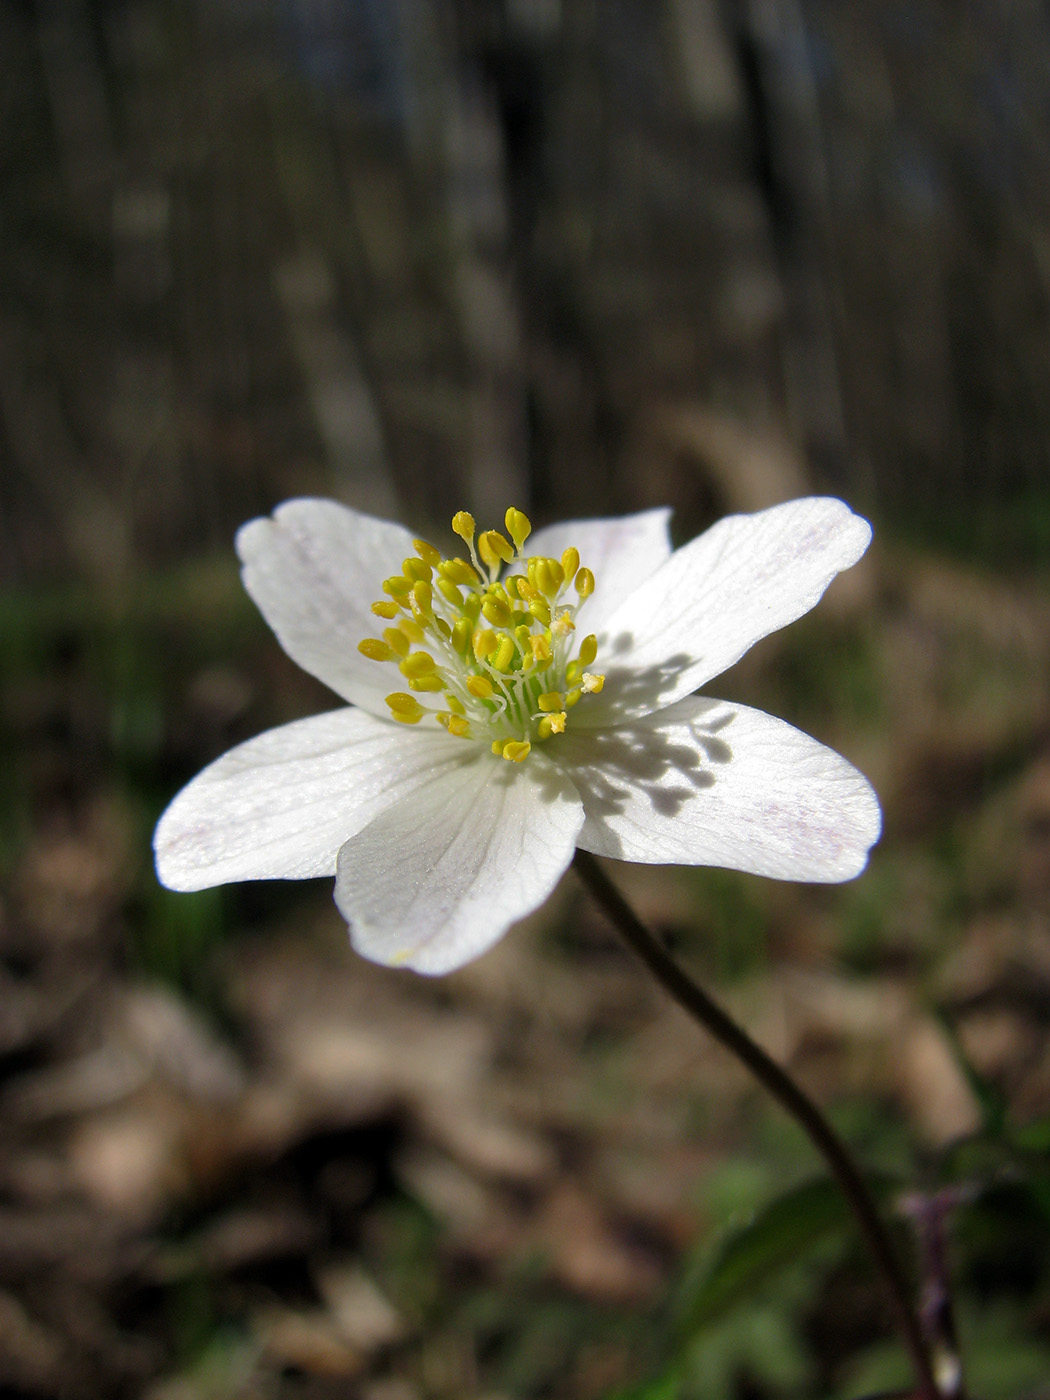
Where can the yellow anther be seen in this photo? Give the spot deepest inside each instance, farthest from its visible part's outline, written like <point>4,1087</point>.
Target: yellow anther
<point>541,648</point>
<point>497,748</point>
<point>519,527</point>
<point>515,750</point>
<point>494,550</point>
<point>573,697</point>
<point>397,586</point>
<point>463,526</point>
<point>526,591</point>
<point>422,599</point>
<point>522,635</point>
<point>416,569</point>
<point>461,634</point>
<point>419,664</point>
<point>496,611</point>
<point>456,706</point>
<point>502,659</point>
<point>585,583</point>
<point>455,724</point>
<point>376,650</point>
<point>427,553</point>
<point>553,700</point>
<point>458,571</point>
<point>551,724</point>
<point>570,562</point>
<point>548,576</point>
<point>405,708</point>
<point>541,612</point>
<point>397,641</point>
<point>588,650</point>
<point>480,686</point>
<point>563,624</point>
<point>387,610</point>
<point>432,683</point>
<point>443,627</point>
<point>450,592</point>
<point>591,685</point>
<point>484,643</point>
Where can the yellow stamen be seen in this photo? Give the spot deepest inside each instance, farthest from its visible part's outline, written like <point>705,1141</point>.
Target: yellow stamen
<point>519,527</point>
<point>419,664</point>
<point>494,550</point>
<point>541,648</point>
<point>463,526</point>
<point>416,569</point>
<point>495,610</point>
<point>503,657</point>
<point>422,599</point>
<point>387,610</point>
<point>551,701</point>
<point>459,571</point>
<point>427,553</point>
<point>397,641</point>
<point>551,724</point>
<point>584,583</point>
<point>405,708</point>
<point>515,750</point>
<point>376,650</point>
<point>455,724</point>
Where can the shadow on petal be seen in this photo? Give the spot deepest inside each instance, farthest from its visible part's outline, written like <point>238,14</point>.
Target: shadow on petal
<point>637,690</point>
<point>637,758</point>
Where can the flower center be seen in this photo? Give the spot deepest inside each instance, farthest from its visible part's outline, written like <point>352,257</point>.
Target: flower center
<point>497,650</point>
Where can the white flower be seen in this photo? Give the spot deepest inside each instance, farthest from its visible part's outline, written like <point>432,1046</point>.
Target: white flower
<point>449,808</point>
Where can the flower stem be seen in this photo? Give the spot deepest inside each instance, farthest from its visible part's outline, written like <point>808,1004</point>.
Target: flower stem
<point>693,999</point>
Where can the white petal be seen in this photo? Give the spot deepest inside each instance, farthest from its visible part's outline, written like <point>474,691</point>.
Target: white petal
<point>708,782</point>
<point>314,570</point>
<point>281,805</point>
<point>433,883</point>
<point>621,553</point>
<point>715,597</point>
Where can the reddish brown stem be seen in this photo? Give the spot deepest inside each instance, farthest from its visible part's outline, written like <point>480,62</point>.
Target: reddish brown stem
<point>693,999</point>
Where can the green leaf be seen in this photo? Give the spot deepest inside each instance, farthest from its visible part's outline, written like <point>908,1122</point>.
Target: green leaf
<point>778,1236</point>
<point>991,1104</point>
<point>665,1386</point>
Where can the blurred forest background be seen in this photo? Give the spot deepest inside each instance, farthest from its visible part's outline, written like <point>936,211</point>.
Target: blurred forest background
<point>584,257</point>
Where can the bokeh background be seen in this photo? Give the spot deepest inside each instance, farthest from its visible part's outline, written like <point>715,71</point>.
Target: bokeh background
<point>585,257</point>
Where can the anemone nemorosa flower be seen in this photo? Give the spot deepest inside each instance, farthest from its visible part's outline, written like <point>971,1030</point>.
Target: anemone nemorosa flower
<point>507,708</point>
